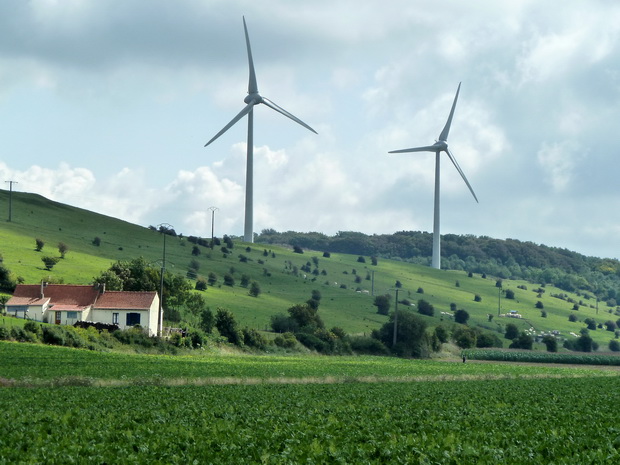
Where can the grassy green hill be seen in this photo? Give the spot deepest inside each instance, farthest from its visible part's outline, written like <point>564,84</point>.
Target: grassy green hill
<point>346,285</point>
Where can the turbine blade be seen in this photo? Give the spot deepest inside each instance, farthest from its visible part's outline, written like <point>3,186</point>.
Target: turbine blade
<point>240,115</point>
<point>252,86</point>
<point>279,109</point>
<point>458,168</point>
<point>446,130</point>
<point>427,148</point>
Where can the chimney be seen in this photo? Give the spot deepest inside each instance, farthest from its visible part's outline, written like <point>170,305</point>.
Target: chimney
<point>43,285</point>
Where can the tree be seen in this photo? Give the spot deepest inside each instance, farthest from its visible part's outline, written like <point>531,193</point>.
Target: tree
<point>551,342</point>
<point>195,303</point>
<point>201,284</point>
<point>523,341</point>
<point>229,280</point>
<point>39,244</point>
<point>49,262</point>
<point>510,294</point>
<point>511,331</point>
<point>305,316</point>
<point>97,241</point>
<point>464,337</point>
<point>212,278</point>
<point>63,249</point>
<point>411,338</point>
<point>227,326</point>
<point>361,259</point>
<point>614,345</point>
<point>195,251</point>
<point>425,308</point>
<point>245,280</point>
<point>477,298</point>
<point>461,316</point>
<point>382,302</point>
<point>254,289</point>
<point>539,305</point>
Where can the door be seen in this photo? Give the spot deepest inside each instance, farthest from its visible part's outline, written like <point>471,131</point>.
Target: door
<point>57,321</point>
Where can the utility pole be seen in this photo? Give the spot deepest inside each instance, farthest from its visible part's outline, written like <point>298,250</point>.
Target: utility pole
<point>395,318</point>
<point>499,299</point>
<point>213,209</point>
<point>372,286</point>
<point>11,197</point>
<point>163,228</point>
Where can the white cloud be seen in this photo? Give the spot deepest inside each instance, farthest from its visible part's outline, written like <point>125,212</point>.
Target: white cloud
<point>559,160</point>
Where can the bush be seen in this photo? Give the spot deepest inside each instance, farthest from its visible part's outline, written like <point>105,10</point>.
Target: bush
<point>425,308</point>
<point>53,335</point>
<point>280,323</point>
<point>477,298</point>
<point>551,342</point>
<point>461,316</point>
<point>572,318</point>
<point>365,345</point>
<point>524,341</point>
<point>614,345</point>
<point>227,326</point>
<point>285,341</point>
<point>465,338</point>
<point>253,338</point>
<point>511,331</point>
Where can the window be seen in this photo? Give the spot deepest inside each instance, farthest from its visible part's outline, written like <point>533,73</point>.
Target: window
<point>72,315</point>
<point>114,318</point>
<point>133,319</point>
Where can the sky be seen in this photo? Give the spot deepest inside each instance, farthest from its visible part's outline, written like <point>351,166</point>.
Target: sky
<point>106,105</point>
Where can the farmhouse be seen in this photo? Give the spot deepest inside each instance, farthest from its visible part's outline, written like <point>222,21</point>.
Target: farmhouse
<point>68,304</point>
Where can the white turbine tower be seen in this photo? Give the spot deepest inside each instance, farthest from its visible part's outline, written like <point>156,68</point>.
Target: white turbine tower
<point>441,145</point>
<point>253,98</point>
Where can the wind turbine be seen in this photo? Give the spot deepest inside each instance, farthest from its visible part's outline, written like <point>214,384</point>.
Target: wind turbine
<point>253,98</point>
<point>440,145</point>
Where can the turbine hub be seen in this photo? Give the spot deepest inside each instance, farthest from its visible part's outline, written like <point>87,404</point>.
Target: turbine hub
<point>254,98</point>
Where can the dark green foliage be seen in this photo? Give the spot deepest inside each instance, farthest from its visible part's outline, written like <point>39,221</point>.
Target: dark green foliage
<point>420,290</point>
<point>464,337</point>
<point>583,343</point>
<point>461,316</point>
<point>511,331</point>
<point>196,251</point>
<point>610,325</point>
<point>361,259</point>
<point>207,320</point>
<point>425,308</point>
<point>286,340</point>
<point>39,244</point>
<point>550,342</point>
<point>7,283</point>
<point>63,249</point>
<point>614,345</point>
<point>366,345</point>
<point>212,278</point>
<point>297,249</point>
<point>442,333</point>
<point>477,298</point>
<point>382,302</point>
<point>201,284</point>
<point>252,338</point>
<point>411,339</point>
<point>245,280</point>
<point>572,318</point>
<point>49,262</point>
<point>510,294</point>
<point>486,339</point>
<point>229,280</point>
<point>280,323</point>
<point>326,255</point>
<point>254,289</point>
<point>591,324</point>
<point>305,316</point>
<point>523,341</point>
<point>97,241</point>
<point>227,326</point>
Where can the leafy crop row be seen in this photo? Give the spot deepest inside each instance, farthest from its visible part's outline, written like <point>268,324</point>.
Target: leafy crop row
<point>542,357</point>
<point>532,421</point>
<point>38,362</point>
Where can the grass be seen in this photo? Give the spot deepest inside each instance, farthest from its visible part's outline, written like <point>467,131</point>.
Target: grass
<point>341,304</point>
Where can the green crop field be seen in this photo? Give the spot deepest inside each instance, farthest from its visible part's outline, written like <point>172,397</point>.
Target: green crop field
<point>77,406</point>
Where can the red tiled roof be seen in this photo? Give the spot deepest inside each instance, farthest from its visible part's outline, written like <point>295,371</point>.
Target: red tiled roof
<point>126,300</point>
<point>82,296</point>
<point>26,301</point>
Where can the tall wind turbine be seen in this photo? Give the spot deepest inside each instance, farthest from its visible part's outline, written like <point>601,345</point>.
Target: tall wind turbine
<point>253,98</point>
<point>440,145</point>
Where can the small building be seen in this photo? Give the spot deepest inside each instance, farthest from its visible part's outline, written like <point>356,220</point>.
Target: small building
<point>68,304</point>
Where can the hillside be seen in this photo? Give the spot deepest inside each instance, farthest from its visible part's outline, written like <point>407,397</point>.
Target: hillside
<point>345,281</point>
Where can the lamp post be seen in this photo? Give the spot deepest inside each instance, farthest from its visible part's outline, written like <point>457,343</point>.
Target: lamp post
<point>163,228</point>
<point>213,209</point>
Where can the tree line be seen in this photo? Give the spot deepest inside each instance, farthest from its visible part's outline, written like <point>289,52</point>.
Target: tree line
<point>503,258</point>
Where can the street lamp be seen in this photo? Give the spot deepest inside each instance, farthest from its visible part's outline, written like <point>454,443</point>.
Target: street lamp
<point>213,209</point>
<point>163,228</point>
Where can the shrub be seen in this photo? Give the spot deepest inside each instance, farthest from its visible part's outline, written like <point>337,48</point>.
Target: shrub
<point>201,284</point>
<point>365,345</point>
<point>477,298</point>
<point>461,316</point>
<point>227,326</point>
<point>614,345</point>
<point>551,342</point>
<point>425,308</point>
<point>572,318</point>
<point>511,331</point>
<point>523,341</point>
<point>286,340</point>
<point>253,338</point>
<point>464,337</point>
